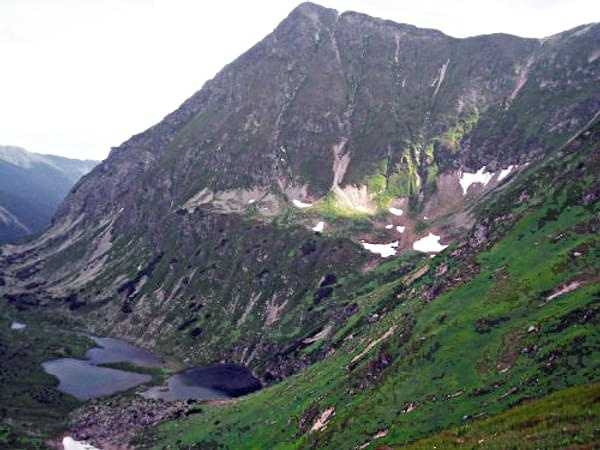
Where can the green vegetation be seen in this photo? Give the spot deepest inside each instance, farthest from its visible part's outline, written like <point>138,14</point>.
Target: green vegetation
<point>159,374</point>
<point>332,209</point>
<point>569,417</point>
<point>452,137</point>
<point>29,398</point>
<point>14,440</point>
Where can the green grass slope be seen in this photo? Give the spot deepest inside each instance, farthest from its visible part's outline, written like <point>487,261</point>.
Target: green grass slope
<point>31,406</point>
<point>566,418</point>
<point>506,315</point>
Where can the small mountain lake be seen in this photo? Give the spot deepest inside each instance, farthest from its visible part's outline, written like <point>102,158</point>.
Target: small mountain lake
<point>86,379</point>
<point>214,382</point>
<point>83,380</point>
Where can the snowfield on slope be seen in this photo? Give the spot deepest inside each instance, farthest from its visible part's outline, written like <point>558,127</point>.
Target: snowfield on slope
<point>299,204</point>
<point>385,250</point>
<point>481,176</point>
<point>429,244</point>
<point>71,444</point>
<point>17,326</point>
<point>319,227</point>
<point>505,172</point>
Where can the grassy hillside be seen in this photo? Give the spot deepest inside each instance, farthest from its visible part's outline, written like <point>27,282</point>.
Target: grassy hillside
<point>31,406</point>
<point>506,315</point>
<point>566,418</point>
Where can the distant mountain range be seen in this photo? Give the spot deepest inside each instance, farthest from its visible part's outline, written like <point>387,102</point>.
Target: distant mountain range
<point>31,188</point>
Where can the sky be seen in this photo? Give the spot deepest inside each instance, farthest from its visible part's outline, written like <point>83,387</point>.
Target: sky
<point>78,77</point>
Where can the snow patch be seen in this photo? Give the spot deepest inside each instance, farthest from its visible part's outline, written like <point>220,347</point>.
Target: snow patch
<point>505,172</point>
<point>384,250</point>
<point>481,176</point>
<point>389,227</point>
<point>319,227</point>
<point>428,244</point>
<point>71,444</point>
<point>17,326</point>
<point>400,229</point>
<point>396,211</point>
<point>299,204</point>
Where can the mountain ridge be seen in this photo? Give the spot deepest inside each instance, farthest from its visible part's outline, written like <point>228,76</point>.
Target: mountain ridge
<point>331,109</point>
<point>240,228</point>
<point>32,187</point>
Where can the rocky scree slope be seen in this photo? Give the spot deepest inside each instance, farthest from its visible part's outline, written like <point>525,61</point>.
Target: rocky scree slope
<point>186,238</point>
<point>32,186</point>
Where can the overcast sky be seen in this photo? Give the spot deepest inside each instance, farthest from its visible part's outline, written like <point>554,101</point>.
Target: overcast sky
<point>80,76</point>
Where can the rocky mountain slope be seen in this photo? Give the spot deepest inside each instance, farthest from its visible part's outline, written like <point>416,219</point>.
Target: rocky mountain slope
<point>32,186</point>
<point>480,328</point>
<point>241,228</point>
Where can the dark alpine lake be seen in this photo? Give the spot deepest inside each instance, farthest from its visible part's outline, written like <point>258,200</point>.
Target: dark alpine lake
<point>86,379</point>
<point>214,382</point>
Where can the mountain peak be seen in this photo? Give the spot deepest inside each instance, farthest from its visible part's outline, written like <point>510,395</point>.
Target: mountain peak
<point>310,7</point>
<point>313,12</point>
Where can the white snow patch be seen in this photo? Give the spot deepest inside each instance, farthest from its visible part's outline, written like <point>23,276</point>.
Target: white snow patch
<point>299,204</point>
<point>17,326</point>
<point>319,227</point>
<point>505,172</point>
<point>389,227</point>
<point>384,250</point>
<point>400,229</point>
<point>396,211</point>
<point>71,444</point>
<point>430,243</point>
<point>481,176</point>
